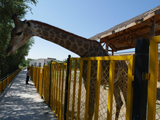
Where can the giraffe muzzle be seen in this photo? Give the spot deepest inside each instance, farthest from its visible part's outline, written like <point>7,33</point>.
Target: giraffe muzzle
<point>9,51</point>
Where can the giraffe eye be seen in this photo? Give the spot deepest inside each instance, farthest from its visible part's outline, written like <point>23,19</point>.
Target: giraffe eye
<point>19,33</point>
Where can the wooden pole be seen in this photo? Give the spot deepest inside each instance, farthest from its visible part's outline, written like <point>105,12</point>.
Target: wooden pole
<point>152,28</point>
<point>107,47</point>
<point>112,52</point>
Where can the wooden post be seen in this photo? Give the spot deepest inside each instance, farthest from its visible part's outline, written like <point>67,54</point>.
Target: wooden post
<point>152,28</point>
<point>107,45</point>
<point>42,82</point>
<point>112,52</point>
<point>140,90</point>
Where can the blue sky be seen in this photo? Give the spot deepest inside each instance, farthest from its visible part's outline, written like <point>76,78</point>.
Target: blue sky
<point>85,18</point>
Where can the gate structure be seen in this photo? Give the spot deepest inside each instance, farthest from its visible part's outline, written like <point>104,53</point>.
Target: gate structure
<point>105,107</point>
<point>50,82</point>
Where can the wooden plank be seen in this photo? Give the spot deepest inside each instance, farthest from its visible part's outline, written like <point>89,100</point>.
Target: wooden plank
<point>125,33</point>
<point>157,12</point>
<point>152,29</point>
<point>149,16</point>
<point>123,43</point>
<point>112,46</point>
<point>112,52</point>
<point>150,24</point>
<point>107,45</point>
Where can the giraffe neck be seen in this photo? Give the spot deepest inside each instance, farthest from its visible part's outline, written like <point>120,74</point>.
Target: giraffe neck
<point>79,45</point>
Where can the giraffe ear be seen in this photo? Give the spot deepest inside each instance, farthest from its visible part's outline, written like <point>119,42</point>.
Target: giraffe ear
<point>27,23</point>
<point>15,19</point>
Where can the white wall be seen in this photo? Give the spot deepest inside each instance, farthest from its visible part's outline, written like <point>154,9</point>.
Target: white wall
<point>37,63</point>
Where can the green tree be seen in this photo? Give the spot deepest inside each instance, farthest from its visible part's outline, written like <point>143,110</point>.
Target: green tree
<point>22,52</point>
<point>64,61</point>
<point>27,61</point>
<point>7,8</point>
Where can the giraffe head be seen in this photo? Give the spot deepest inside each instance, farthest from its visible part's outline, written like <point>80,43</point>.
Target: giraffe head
<point>20,34</point>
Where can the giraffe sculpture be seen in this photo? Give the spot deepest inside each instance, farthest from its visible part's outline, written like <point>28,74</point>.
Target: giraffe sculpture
<point>24,30</point>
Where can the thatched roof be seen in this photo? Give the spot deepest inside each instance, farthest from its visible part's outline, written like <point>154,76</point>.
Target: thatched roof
<point>123,36</point>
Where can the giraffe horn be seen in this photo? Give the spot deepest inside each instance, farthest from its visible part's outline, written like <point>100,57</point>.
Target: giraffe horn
<point>15,19</point>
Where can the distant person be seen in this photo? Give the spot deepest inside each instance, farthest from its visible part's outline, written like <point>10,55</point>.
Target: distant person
<point>27,75</point>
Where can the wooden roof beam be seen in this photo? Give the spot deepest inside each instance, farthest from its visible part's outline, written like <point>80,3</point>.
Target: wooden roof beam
<point>112,47</point>
<point>124,40</point>
<point>124,48</point>
<point>122,43</point>
<point>150,24</point>
<point>125,34</point>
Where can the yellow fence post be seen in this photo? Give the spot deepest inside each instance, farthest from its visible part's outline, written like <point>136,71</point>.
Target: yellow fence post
<point>40,81</point>
<point>98,89</point>
<point>152,83</point>
<point>87,89</point>
<point>43,81</point>
<point>57,68</point>
<point>60,82</point>
<point>79,90</point>
<point>53,84</point>
<point>47,83</point>
<point>7,80</point>
<point>111,88</point>
<point>74,85</point>
<point>4,83</point>
<point>130,89</point>
<point>59,76</point>
<point>62,91</point>
<point>55,80</point>
<point>37,78</point>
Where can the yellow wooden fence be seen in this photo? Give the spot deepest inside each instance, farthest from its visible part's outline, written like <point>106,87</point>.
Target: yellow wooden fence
<point>78,94</point>
<point>52,88</point>
<point>4,82</point>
